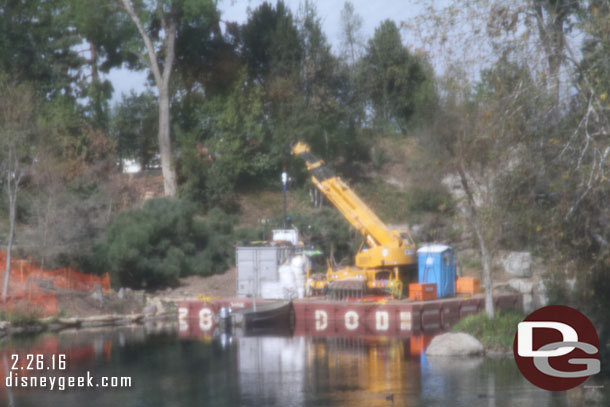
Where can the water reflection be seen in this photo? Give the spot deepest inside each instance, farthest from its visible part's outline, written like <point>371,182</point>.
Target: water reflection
<point>357,370</point>
<point>227,370</point>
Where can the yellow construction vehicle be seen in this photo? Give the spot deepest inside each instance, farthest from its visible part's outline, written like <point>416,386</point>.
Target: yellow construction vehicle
<point>386,261</point>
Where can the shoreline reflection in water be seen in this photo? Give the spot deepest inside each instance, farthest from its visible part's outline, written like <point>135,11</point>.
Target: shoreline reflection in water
<point>271,370</point>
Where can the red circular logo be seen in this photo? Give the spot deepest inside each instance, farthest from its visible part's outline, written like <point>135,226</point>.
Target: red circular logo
<point>556,348</point>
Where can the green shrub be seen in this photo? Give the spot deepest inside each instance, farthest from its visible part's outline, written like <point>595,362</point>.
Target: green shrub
<point>20,316</point>
<point>388,201</point>
<point>155,245</point>
<point>206,184</point>
<point>324,228</point>
<point>378,157</point>
<point>392,204</point>
<point>434,199</point>
<point>497,333</point>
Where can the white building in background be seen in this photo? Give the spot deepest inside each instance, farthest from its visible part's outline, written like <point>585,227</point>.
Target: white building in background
<point>130,166</point>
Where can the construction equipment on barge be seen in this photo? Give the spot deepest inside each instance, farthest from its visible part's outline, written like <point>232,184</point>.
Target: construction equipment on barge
<point>386,261</point>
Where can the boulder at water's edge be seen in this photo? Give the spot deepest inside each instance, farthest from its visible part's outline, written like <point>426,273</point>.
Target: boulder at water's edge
<point>454,344</point>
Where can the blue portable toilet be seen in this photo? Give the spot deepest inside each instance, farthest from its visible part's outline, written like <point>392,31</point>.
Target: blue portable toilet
<point>436,264</point>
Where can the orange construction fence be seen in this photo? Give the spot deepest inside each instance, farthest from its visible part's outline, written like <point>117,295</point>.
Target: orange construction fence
<point>33,288</point>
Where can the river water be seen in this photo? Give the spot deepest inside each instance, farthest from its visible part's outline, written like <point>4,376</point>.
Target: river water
<point>168,370</point>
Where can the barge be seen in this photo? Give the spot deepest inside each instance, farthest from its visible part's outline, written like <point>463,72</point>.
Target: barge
<point>322,317</point>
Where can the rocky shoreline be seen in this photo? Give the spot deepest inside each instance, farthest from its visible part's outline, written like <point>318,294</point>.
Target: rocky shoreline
<point>156,309</point>
<point>54,324</point>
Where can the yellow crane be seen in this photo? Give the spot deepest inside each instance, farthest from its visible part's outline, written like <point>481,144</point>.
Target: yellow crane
<point>386,259</point>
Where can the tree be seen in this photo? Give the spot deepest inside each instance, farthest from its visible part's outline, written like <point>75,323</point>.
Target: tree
<point>553,21</point>
<point>536,31</point>
<point>456,136</point>
<point>271,46</point>
<point>158,24</point>
<point>107,34</point>
<point>69,200</point>
<point>17,121</point>
<point>323,118</point>
<point>351,35</point>
<point>482,132</point>
<point>583,157</point>
<point>231,145</point>
<point>37,44</point>
<point>400,85</point>
<point>539,118</point>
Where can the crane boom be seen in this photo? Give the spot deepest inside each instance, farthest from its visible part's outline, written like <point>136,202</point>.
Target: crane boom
<point>357,213</point>
<point>387,249</point>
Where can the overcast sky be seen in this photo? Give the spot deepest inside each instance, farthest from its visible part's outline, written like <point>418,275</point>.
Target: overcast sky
<point>372,13</point>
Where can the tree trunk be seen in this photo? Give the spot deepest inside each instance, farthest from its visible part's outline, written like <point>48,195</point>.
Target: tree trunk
<point>485,259</point>
<point>551,35</point>
<point>167,168</point>
<point>12,187</point>
<point>93,62</point>
<point>475,221</point>
<point>170,28</point>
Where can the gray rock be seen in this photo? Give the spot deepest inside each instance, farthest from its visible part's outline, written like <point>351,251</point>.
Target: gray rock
<point>521,285</point>
<point>517,263</point>
<point>155,306</point>
<point>149,310</point>
<point>528,302</point>
<point>454,344</point>
<point>594,396</point>
<point>526,288</point>
<point>159,306</point>
<point>541,299</point>
<point>97,294</point>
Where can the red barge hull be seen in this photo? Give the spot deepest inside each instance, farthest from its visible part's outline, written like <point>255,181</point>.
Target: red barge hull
<point>318,317</point>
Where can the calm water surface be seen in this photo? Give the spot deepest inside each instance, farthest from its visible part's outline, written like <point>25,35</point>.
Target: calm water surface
<point>270,371</point>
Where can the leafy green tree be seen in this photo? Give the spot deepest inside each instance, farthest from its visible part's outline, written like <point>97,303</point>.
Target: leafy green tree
<point>42,42</point>
<point>272,46</point>
<point>108,36</point>
<point>206,59</point>
<point>323,117</point>
<point>239,137</point>
<point>231,146</point>
<point>158,24</point>
<point>289,86</point>
<point>37,45</point>
<point>400,85</point>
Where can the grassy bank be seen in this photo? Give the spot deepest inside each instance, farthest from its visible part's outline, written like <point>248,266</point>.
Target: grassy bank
<point>495,334</point>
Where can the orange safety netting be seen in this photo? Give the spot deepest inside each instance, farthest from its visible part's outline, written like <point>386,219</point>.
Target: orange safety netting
<point>32,288</point>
